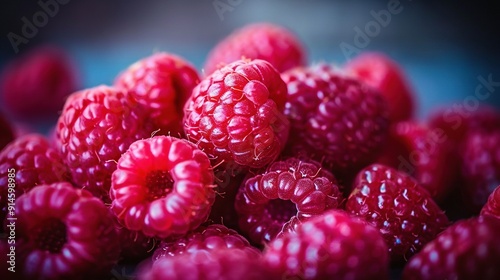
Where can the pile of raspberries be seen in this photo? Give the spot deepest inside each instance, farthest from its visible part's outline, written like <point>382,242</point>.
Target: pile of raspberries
<point>262,166</point>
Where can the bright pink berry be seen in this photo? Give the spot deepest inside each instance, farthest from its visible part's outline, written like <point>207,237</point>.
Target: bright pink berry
<point>162,186</point>
<point>265,41</point>
<point>29,161</point>
<point>480,168</point>
<point>96,126</point>
<point>36,84</point>
<point>235,114</point>
<point>286,194</point>
<point>398,207</point>
<point>161,83</point>
<point>424,154</point>
<point>469,249</point>
<point>492,206</point>
<point>63,233</point>
<point>212,237</point>
<point>384,74</point>
<point>334,119</point>
<point>221,264</point>
<point>333,245</point>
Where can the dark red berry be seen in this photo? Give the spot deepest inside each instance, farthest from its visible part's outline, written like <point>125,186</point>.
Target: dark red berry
<point>161,83</point>
<point>212,237</point>
<point>29,161</point>
<point>424,154</point>
<point>265,41</point>
<point>35,85</point>
<point>135,246</point>
<point>334,119</point>
<point>384,74</point>
<point>162,186</point>
<point>96,126</point>
<point>401,209</point>
<point>469,249</point>
<point>333,245</point>
<point>492,206</point>
<point>235,114</point>
<point>480,168</point>
<point>63,233</point>
<point>286,194</point>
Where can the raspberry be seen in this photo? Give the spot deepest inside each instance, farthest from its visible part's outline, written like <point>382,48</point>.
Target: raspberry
<point>36,84</point>
<point>424,154</point>
<point>334,119</point>
<point>212,237</point>
<point>162,186</point>
<point>234,115</point>
<point>6,132</point>
<point>492,206</point>
<point>333,245</point>
<point>469,249</point>
<point>223,264</point>
<point>96,126</point>
<point>33,162</point>
<point>161,83</point>
<point>398,207</point>
<point>265,41</point>
<point>480,168</point>
<point>379,71</point>
<point>63,233</point>
<point>286,194</point>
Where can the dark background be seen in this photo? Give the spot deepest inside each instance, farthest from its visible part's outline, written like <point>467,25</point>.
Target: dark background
<point>442,45</point>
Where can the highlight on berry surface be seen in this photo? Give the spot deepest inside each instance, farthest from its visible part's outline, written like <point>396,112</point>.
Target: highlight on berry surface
<point>162,186</point>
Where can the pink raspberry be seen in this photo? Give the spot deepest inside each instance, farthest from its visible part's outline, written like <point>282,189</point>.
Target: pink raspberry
<point>161,83</point>
<point>286,194</point>
<point>162,186</point>
<point>265,41</point>
<point>333,245</point>
<point>492,206</point>
<point>63,233</point>
<point>334,119</point>
<point>36,84</point>
<point>235,114</point>
<point>212,237</point>
<point>96,126</point>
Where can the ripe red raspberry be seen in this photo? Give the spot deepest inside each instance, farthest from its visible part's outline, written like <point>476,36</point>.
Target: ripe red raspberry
<point>265,41</point>
<point>36,84</point>
<point>480,168</point>
<point>469,249</point>
<point>64,233</point>
<point>333,245</point>
<point>424,154</point>
<point>212,237</point>
<point>492,206</point>
<point>6,132</point>
<point>235,114</point>
<point>161,83</point>
<point>286,194</point>
<point>162,186</point>
<point>334,119</point>
<point>381,72</point>
<point>96,126</point>
<point>32,162</point>
<point>398,207</point>
<point>223,264</point>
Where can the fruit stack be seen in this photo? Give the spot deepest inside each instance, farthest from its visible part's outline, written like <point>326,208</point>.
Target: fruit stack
<point>262,167</point>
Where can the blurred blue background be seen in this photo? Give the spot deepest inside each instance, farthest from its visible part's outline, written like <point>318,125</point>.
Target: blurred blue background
<point>442,45</point>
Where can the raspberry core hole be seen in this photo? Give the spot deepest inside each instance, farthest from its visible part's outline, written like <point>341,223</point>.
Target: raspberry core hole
<point>159,183</point>
<point>281,210</point>
<point>51,236</point>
